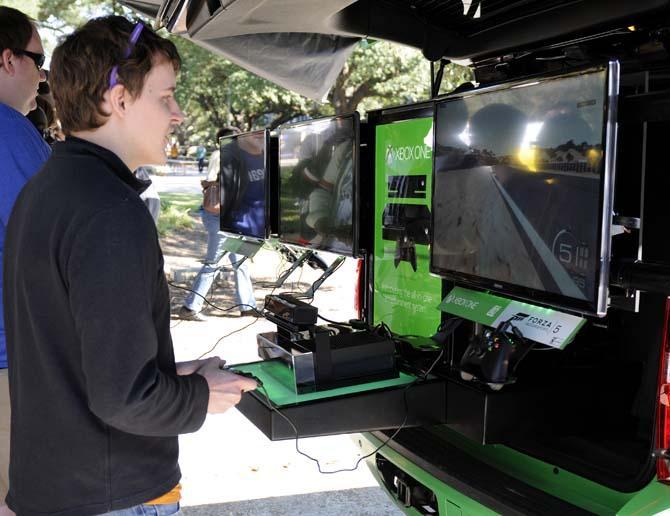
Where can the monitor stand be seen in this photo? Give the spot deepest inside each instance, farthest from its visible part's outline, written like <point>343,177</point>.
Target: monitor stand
<point>246,248</point>
<point>309,293</point>
<point>298,262</point>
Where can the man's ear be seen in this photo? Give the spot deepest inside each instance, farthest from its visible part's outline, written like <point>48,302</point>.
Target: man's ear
<point>116,100</point>
<point>6,61</point>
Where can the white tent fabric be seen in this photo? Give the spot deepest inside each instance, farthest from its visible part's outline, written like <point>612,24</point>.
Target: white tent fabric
<point>288,42</point>
<point>305,63</point>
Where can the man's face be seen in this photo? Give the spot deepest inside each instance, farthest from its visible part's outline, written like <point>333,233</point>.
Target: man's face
<point>153,115</point>
<point>27,77</point>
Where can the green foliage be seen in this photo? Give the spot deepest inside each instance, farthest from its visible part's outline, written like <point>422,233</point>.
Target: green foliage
<point>65,15</point>
<point>380,74</point>
<point>30,7</point>
<point>175,211</point>
<point>214,92</point>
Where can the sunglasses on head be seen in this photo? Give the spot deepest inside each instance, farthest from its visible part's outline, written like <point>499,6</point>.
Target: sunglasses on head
<point>38,59</point>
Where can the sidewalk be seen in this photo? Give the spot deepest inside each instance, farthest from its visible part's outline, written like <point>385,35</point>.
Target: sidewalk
<point>368,501</point>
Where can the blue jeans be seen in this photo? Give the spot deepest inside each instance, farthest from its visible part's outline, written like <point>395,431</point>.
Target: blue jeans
<point>244,290</point>
<point>167,509</point>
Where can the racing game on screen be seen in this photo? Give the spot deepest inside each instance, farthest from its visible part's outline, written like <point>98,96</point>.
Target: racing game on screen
<point>518,184</point>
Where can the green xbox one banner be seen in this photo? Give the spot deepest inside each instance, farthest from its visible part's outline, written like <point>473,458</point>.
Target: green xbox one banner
<point>406,295</point>
<point>543,325</point>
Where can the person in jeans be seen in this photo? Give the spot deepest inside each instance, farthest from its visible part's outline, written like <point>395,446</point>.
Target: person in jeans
<point>22,153</point>
<point>212,266</point>
<point>97,399</point>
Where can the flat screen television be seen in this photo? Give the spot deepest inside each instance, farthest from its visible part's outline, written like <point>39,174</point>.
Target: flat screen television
<point>245,184</point>
<point>523,179</point>
<point>318,184</point>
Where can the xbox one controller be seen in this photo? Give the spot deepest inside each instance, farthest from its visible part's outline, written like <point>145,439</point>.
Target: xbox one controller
<point>246,375</point>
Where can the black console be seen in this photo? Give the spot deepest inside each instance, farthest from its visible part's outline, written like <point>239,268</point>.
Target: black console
<point>323,357</point>
<point>291,310</point>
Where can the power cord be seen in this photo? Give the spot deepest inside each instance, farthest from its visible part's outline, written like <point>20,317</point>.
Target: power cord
<point>216,344</point>
<point>225,337</point>
<point>347,324</point>
<point>503,328</point>
<point>212,304</point>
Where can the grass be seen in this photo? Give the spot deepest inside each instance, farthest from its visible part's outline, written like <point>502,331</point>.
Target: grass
<point>175,208</point>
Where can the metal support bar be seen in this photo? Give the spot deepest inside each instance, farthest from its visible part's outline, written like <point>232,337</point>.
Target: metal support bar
<point>284,275</point>
<point>239,263</point>
<point>309,293</point>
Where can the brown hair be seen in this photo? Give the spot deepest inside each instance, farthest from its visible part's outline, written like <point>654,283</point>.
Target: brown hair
<point>16,29</point>
<point>81,66</point>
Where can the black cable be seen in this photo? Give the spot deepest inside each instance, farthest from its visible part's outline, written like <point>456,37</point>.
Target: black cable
<point>502,327</point>
<point>239,329</point>
<point>212,304</point>
<point>334,322</point>
<point>226,336</point>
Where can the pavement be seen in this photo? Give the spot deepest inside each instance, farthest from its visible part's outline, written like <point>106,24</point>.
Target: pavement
<point>186,180</point>
<point>229,467</point>
<point>368,501</point>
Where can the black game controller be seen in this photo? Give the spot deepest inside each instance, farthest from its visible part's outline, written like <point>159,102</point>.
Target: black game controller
<point>493,356</point>
<point>245,374</point>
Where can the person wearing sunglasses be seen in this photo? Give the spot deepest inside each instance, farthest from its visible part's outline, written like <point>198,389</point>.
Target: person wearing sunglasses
<point>97,398</point>
<point>22,153</point>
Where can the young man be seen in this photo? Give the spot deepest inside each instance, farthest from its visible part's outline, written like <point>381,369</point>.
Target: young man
<point>97,400</point>
<point>22,153</point>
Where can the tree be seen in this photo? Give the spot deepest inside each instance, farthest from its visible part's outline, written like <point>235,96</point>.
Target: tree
<point>63,16</point>
<point>214,92</point>
<point>380,74</point>
<point>30,7</point>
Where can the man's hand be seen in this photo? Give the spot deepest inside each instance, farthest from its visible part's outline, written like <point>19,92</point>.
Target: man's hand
<point>225,388</point>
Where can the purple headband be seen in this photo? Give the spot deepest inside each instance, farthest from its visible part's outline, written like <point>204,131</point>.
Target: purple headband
<point>114,75</point>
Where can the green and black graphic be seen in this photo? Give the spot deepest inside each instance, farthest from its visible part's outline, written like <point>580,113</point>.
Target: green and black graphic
<point>406,296</point>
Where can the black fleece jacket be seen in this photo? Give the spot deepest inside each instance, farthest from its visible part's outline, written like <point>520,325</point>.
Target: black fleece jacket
<point>96,401</point>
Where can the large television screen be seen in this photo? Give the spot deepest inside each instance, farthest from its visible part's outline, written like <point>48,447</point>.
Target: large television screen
<point>522,191</point>
<point>318,177</point>
<point>245,184</point>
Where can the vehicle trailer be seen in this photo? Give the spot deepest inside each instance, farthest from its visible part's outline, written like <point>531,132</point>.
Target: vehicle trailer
<point>583,429</point>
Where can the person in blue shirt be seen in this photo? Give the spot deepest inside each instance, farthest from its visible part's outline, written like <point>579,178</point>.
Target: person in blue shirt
<point>244,290</point>
<point>22,154</point>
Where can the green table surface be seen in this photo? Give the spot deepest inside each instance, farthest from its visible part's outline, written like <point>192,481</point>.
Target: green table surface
<point>279,383</point>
